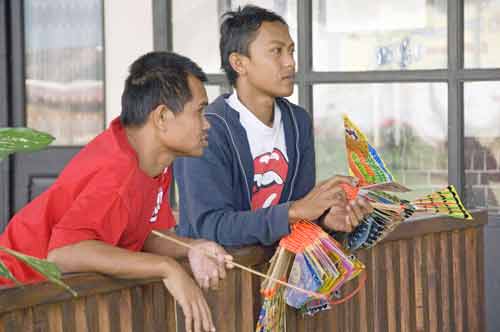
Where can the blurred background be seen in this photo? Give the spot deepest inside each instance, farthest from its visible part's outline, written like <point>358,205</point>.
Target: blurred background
<point>420,77</point>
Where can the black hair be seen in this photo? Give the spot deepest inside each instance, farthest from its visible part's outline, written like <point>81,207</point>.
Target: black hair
<point>154,79</point>
<point>238,30</point>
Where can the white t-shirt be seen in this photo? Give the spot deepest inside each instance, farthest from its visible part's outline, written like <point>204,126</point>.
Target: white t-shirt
<point>268,149</point>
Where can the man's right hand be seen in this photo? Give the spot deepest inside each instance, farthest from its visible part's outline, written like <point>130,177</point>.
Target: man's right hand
<point>319,199</point>
<point>190,297</point>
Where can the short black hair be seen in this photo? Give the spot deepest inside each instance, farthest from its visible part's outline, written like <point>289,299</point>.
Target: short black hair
<point>154,79</point>
<point>238,30</point>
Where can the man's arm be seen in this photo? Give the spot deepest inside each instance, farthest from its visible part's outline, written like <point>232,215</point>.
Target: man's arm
<point>97,256</point>
<point>206,269</point>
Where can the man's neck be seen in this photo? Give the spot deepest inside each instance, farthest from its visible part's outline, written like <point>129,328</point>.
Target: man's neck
<point>152,159</point>
<point>261,105</point>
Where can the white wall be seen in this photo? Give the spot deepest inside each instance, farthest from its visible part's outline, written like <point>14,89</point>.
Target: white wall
<point>128,33</point>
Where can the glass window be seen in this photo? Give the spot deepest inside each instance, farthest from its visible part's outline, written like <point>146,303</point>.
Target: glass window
<point>405,122</point>
<point>482,144</point>
<point>200,41</point>
<point>481,31</point>
<point>213,91</point>
<point>361,35</point>
<point>64,68</point>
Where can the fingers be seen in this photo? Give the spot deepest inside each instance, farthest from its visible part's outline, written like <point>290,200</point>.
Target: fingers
<point>338,179</point>
<point>214,280</point>
<point>208,324</point>
<point>188,316</point>
<point>366,207</point>
<point>204,282</point>
<point>197,319</point>
<point>355,213</point>
<point>229,261</point>
<point>221,266</point>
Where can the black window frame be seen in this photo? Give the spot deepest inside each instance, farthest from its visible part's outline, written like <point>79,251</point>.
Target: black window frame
<point>455,75</point>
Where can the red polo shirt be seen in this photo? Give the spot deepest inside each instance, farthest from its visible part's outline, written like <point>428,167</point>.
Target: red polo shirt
<point>102,195</point>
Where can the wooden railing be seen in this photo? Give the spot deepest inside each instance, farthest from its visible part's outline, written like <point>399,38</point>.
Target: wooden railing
<point>428,275</point>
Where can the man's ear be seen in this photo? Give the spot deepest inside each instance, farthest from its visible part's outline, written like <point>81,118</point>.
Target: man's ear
<point>238,62</point>
<point>162,116</point>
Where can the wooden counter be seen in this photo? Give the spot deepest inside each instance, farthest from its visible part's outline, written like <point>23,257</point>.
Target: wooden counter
<point>428,275</point>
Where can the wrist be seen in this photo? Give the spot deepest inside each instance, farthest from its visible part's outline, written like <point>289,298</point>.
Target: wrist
<point>293,212</point>
<point>168,267</point>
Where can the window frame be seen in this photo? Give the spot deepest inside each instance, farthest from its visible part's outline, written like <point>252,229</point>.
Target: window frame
<point>455,75</point>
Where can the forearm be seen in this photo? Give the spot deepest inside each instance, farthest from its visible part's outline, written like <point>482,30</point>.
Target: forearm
<point>97,256</point>
<point>160,246</point>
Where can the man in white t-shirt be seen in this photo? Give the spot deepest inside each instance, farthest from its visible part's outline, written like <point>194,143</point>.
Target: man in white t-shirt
<point>257,175</point>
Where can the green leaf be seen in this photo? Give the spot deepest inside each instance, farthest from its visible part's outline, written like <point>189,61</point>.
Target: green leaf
<point>22,139</point>
<point>47,269</point>
<point>4,272</point>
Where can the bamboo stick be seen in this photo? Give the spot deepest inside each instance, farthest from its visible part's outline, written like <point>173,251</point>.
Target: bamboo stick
<point>243,267</point>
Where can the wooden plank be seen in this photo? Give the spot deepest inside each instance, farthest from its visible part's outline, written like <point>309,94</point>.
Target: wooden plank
<point>54,314</point>
<point>170,312</point>
<point>414,228</point>
<point>463,275</point>
<point>247,302</point>
<point>291,320</point>
<point>91,313</point>
<point>445,285</point>
<point>113,303</point>
<point>103,314</point>
<point>391,291</point>
<point>363,298</point>
<point>458,313</point>
<point>126,311</point>
<point>481,280</point>
<point>13,321</point>
<point>41,318</point>
<point>137,309</point>
<point>404,286</point>
<point>418,288</point>
<point>224,300</point>
<point>147,296</point>
<point>80,315</point>
<point>381,277</point>
<point>159,310</point>
<point>472,279</point>
<point>431,283</point>
<point>86,284</point>
<point>68,316</point>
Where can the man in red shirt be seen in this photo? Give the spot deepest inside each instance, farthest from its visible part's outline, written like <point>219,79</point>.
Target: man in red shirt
<point>99,214</point>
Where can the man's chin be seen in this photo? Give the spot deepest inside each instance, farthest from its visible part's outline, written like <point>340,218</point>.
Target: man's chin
<point>286,92</point>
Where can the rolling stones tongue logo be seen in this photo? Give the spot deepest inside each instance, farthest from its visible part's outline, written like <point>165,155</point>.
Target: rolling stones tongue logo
<point>269,178</point>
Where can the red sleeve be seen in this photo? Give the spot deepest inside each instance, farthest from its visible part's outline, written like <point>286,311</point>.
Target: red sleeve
<point>95,215</point>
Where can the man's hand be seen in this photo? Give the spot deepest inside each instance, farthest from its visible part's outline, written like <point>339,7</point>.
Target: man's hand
<point>319,199</point>
<point>344,216</point>
<point>190,298</point>
<point>208,270</point>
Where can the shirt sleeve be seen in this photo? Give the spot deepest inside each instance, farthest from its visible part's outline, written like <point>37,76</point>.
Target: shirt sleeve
<point>97,214</point>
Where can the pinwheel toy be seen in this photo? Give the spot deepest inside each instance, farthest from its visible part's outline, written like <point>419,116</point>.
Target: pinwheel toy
<point>318,264</point>
<point>375,181</point>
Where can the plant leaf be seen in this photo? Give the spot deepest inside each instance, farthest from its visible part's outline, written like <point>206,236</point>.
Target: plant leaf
<point>47,269</point>
<point>21,139</point>
<point>4,272</point>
